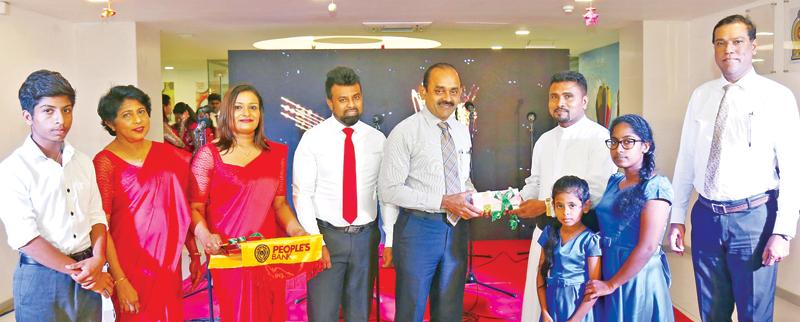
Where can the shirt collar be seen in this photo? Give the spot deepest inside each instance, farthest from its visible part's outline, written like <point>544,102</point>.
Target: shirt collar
<point>31,151</point>
<point>338,126</point>
<point>432,120</point>
<point>746,81</point>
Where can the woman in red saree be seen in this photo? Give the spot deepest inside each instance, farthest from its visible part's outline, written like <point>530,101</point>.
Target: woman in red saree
<point>240,190</point>
<point>142,185</point>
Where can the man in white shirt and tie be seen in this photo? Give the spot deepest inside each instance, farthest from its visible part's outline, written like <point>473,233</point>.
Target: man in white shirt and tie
<point>575,147</point>
<point>738,150</point>
<point>334,184</point>
<point>52,212</point>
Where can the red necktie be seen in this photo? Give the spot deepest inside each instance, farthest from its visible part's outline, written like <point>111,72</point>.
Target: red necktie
<point>349,193</point>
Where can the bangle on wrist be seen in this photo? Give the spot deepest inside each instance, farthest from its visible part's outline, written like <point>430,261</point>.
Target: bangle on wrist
<point>784,236</point>
<point>120,280</point>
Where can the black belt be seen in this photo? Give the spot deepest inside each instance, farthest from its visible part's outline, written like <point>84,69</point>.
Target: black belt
<point>425,214</point>
<point>352,229</point>
<point>79,256</point>
<point>727,207</point>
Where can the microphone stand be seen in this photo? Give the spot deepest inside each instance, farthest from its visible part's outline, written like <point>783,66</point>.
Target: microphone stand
<point>471,279</point>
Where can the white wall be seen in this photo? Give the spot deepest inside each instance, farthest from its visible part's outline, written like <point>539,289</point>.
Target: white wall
<point>186,78</point>
<point>630,69</point>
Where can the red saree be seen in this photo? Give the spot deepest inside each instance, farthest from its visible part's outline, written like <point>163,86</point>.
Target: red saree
<point>238,203</point>
<point>149,217</point>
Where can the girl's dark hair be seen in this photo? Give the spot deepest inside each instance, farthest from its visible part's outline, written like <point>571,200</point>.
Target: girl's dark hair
<point>566,184</point>
<point>110,103</point>
<point>181,107</point>
<point>631,200</point>
<point>225,121</point>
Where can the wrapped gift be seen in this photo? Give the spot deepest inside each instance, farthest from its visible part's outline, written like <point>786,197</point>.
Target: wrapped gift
<point>497,203</point>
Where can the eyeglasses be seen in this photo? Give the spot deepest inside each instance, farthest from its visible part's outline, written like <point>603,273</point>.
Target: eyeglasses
<point>627,144</point>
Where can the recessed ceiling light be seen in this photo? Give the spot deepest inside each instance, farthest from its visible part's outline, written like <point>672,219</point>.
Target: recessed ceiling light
<point>583,0</point>
<point>522,32</point>
<point>347,42</point>
<point>764,33</point>
<point>98,1</point>
<point>497,47</point>
<point>169,67</point>
<point>758,60</point>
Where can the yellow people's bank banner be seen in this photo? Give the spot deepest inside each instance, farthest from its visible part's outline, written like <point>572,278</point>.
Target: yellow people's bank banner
<point>287,250</point>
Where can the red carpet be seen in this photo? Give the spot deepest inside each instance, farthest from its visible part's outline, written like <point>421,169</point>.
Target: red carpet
<point>497,263</point>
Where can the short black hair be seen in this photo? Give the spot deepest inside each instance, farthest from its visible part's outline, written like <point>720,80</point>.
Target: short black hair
<point>427,76</point>
<point>570,76</point>
<point>165,99</point>
<point>214,97</point>
<point>342,76</point>
<point>732,19</point>
<point>109,104</point>
<point>43,83</point>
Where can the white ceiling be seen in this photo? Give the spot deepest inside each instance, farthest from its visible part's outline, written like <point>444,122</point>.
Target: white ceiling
<point>195,30</point>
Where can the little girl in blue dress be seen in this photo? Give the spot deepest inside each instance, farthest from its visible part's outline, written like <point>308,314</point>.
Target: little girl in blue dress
<point>570,255</point>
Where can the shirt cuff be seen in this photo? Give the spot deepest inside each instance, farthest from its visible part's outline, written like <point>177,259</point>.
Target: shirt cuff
<point>678,215</point>
<point>20,239</point>
<point>785,223</point>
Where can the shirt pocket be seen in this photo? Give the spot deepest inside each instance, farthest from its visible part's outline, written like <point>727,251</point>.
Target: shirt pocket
<point>463,163</point>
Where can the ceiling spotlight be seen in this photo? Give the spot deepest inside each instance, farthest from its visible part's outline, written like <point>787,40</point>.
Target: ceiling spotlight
<point>568,8</point>
<point>169,67</point>
<point>107,11</point>
<point>497,47</point>
<point>332,7</point>
<point>522,32</point>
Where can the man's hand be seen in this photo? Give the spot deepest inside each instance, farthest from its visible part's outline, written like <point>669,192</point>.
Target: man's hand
<point>387,257</point>
<point>89,269</point>
<point>531,208</point>
<point>776,250</point>
<point>326,258</point>
<point>676,234</point>
<point>457,204</point>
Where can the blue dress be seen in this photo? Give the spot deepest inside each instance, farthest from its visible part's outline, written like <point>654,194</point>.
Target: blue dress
<point>645,297</point>
<point>569,273</point>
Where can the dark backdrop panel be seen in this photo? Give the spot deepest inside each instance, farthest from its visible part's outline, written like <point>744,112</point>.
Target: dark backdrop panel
<point>512,83</point>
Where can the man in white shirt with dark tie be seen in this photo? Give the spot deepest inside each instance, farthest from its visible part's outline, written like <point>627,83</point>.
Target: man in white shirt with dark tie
<point>52,212</point>
<point>575,147</point>
<point>739,151</point>
<point>334,184</point>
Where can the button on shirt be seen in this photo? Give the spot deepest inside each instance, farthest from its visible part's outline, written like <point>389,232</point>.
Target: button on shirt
<point>761,133</point>
<point>579,150</point>
<point>317,177</point>
<point>43,198</point>
<point>412,173</point>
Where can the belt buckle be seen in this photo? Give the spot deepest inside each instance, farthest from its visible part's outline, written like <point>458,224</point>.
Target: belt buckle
<point>717,208</point>
<point>350,229</point>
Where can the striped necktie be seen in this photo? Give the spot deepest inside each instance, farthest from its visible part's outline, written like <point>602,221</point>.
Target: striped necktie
<point>452,183</point>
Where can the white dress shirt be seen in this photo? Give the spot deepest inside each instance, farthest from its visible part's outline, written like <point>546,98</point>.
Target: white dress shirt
<point>43,198</point>
<point>579,150</point>
<point>762,132</point>
<point>412,172</point>
<point>317,177</point>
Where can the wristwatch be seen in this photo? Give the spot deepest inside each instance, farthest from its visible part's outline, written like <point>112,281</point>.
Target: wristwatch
<point>785,237</point>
